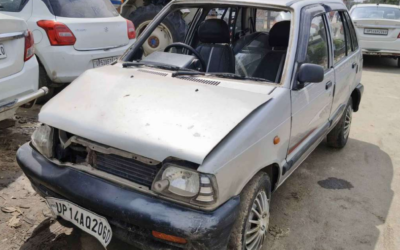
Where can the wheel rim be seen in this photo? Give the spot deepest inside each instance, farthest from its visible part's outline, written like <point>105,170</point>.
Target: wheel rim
<point>158,40</point>
<point>257,223</point>
<point>347,122</point>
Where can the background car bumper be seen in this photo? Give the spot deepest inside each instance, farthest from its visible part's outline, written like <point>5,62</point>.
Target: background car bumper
<point>64,64</point>
<point>133,215</point>
<point>18,86</point>
<point>381,53</point>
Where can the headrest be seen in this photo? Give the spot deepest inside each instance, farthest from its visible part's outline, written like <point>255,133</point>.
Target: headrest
<point>279,34</point>
<point>214,31</point>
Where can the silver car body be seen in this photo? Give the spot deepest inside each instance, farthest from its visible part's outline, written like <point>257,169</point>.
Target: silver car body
<point>228,129</point>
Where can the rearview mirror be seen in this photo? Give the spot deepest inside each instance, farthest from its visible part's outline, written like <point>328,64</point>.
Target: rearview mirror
<point>311,73</point>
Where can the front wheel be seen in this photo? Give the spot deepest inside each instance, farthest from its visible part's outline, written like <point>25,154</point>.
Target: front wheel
<point>339,136</point>
<point>251,227</point>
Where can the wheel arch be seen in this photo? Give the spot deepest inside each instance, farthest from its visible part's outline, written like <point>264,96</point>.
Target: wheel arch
<point>356,99</point>
<point>273,172</point>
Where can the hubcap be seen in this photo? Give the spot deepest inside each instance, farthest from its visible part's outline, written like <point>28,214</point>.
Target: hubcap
<point>257,223</point>
<point>158,40</point>
<point>347,122</point>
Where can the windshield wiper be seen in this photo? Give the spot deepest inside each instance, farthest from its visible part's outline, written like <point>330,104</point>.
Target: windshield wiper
<point>156,65</point>
<point>221,75</point>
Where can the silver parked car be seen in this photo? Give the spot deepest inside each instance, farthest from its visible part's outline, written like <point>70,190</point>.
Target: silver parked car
<point>182,148</point>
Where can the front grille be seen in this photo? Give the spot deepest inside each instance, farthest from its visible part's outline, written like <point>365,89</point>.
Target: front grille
<point>126,168</point>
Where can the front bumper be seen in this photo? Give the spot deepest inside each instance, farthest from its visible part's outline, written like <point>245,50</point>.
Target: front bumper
<point>132,215</point>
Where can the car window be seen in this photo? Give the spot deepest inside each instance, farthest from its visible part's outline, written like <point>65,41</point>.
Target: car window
<point>317,49</point>
<point>338,35</point>
<point>265,19</point>
<point>352,31</point>
<point>376,12</point>
<point>81,8</point>
<point>347,36</point>
<point>12,5</point>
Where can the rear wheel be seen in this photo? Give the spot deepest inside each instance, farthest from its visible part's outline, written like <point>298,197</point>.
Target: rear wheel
<point>398,62</point>
<point>171,30</point>
<point>44,81</point>
<point>339,136</point>
<point>251,227</point>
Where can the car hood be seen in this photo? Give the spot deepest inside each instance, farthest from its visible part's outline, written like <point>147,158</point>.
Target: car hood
<point>146,112</point>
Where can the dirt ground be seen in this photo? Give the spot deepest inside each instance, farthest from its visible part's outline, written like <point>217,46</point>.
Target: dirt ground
<point>337,199</point>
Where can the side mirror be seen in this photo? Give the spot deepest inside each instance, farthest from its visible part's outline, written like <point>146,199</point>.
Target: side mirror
<point>309,73</point>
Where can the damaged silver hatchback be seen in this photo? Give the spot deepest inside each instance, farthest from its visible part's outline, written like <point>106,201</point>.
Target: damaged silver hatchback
<point>180,145</point>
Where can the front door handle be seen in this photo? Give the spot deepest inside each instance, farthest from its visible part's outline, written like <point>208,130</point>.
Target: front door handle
<point>328,85</point>
<point>353,65</point>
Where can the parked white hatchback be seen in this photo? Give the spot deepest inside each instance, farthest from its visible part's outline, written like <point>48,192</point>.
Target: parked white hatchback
<point>72,36</point>
<point>378,28</point>
<point>18,66</point>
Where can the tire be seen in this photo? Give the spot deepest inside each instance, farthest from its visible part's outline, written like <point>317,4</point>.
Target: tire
<point>254,190</point>
<point>398,62</point>
<point>339,136</point>
<point>44,81</point>
<point>174,22</point>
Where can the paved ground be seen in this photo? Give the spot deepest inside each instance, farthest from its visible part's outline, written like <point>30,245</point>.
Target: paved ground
<point>363,212</point>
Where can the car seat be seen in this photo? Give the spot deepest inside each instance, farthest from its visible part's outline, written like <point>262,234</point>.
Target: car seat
<point>271,66</point>
<point>214,48</point>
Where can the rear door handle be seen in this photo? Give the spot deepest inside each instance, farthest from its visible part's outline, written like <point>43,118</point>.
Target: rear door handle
<point>328,85</point>
<point>353,65</point>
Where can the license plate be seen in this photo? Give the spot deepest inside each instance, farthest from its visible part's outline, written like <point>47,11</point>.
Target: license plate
<point>86,220</point>
<point>104,61</point>
<point>379,32</point>
<point>2,52</point>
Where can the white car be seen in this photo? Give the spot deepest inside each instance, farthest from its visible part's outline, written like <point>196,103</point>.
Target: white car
<point>18,66</point>
<point>378,28</point>
<point>72,36</point>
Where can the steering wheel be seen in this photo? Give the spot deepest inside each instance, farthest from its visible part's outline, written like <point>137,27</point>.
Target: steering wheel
<point>193,51</point>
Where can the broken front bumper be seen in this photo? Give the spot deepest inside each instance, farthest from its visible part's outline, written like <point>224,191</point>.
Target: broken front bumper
<point>132,215</point>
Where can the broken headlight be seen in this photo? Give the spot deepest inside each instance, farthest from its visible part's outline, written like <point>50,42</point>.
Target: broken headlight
<point>186,185</point>
<point>42,140</point>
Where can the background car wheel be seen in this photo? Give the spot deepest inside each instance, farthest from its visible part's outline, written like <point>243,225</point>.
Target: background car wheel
<point>251,227</point>
<point>44,81</point>
<point>339,136</point>
<point>173,28</point>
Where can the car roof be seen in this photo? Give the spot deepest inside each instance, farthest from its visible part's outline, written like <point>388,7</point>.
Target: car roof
<point>283,3</point>
<point>376,5</point>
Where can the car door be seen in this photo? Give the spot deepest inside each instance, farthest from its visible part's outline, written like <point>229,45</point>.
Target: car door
<point>311,105</point>
<point>344,62</point>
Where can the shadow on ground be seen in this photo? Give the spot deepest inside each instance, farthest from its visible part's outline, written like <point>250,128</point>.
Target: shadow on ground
<point>317,217</point>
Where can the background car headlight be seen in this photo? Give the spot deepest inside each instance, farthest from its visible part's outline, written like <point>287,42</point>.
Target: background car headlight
<point>186,185</point>
<point>42,140</point>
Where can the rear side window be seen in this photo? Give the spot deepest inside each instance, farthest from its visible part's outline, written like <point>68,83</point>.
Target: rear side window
<point>338,35</point>
<point>317,49</point>
<point>352,31</point>
<point>81,8</point>
<point>12,5</point>
<point>348,40</point>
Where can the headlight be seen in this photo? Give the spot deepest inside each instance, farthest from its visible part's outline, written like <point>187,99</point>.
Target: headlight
<point>186,185</point>
<point>42,140</point>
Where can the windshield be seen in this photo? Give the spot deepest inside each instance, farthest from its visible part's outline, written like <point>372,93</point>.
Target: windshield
<point>237,42</point>
<point>376,12</point>
<point>81,8</point>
